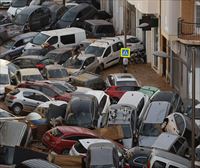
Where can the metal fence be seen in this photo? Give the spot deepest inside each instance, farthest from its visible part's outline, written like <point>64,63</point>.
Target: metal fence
<point>188,31</point>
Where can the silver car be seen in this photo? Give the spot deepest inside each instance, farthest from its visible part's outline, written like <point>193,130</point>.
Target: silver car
<point>82,63</point>
<point>23,99</point>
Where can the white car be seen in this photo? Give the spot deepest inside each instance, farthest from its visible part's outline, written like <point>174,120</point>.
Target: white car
<point>121,79</point>
<point>137,99</point>
<point>106,50</point>
<point>104,103</point>
<point>80,148</point>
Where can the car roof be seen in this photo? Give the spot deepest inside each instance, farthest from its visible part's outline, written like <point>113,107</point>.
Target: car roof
<point>132,98</point>
<point>165,140</point>
<point>30,9</point>
<point>97,93</point>
<point>157,111</point>
<point>75,130</point>
<point>171,157</point>
<point>87,142</point>
<point>31,90</point>
<point>54,66</point>
<point>105,42</point>
<point>29,71</point>
<point>123,76</point>
<point>61,50</point>
<point>33,57</point>
<point>57,32</point>
<point>164,96</point>
<point>98,22</point>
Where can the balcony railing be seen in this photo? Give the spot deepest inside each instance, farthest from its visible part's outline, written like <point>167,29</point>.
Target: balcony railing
<point>188,31</point>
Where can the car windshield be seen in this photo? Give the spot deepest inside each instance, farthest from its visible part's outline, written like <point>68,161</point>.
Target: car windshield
<point>74,63</point>
<point>150,129</point>
<point>21,19</point>
<point>95,50</point>
<point>57,73</point>
<point>62,87</point>
<point>79,115</point>
<point>126,83</point>
<point>9,44</point>
<point>4,79</point>
<point>40,38</point>
<point>70,15</point>
<point>32,77</point>
<point>19,3</point>
<point>51,55</point>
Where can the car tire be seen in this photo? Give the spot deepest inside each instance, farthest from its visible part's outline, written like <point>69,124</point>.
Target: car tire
<point>65,152</point>
<point>17,109</point>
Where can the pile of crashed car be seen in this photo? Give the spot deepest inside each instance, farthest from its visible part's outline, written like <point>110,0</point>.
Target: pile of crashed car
<point>59,112</point>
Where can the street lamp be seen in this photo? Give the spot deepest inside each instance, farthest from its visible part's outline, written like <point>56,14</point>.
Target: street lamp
<point>164,55</point>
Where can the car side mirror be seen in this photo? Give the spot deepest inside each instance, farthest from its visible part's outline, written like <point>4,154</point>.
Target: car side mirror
<point>84,66</point>
<point>77,19</point>
<point>13,47</point>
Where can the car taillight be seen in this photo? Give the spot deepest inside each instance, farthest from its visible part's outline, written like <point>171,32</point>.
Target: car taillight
<point>40,66</point>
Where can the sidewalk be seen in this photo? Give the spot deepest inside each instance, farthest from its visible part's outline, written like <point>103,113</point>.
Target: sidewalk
<point>143,73</point>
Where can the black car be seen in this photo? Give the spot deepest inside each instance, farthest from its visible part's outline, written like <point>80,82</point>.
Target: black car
<point>34,18</point>
<point>82,111</point>
<point>171,97</point>
<point>13,48</point>
<point>57,11</point>
<point>98,28</point>
<point>60,55</point>
<point>32,61</point>
<point>75,16</point>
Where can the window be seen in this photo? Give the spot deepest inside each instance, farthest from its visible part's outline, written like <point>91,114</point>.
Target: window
<point>132,40</point>
<point>159,164</point>
<point>53,40</point>
<point>19,43</point>
<point>172,150</point>
<point>140,106</point>
<point>68,39</point>
<point>179,123</point>
<point>108,51</point>
<point>177,145</point>
<point>40,97</point>
<point>140,161</point>
<point>89,61</point>
<point>117,46</point>
<point>111,80</point>
<point>48,92</point>
<point>29,95</point>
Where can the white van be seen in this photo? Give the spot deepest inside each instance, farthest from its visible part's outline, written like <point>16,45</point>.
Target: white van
<point>66,37</point>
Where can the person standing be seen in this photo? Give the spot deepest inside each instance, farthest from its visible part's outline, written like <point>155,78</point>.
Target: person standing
<point>125,64</point>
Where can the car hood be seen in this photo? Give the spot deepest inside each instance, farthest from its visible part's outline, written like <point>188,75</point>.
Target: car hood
<point>147,141</point>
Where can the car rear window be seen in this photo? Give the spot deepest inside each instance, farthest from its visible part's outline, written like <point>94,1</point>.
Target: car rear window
<point>14,92</point>
<point>159,164</point>
<point>80,148</point>
<point>56,133</point>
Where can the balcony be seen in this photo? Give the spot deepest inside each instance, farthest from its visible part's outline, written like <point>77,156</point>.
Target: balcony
<point>188,31</point>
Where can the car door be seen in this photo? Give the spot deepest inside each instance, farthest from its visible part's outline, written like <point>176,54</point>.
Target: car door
<point>116,51</point>
<point>107,57</point>
<point>31,100</point>
<point>91,64</point>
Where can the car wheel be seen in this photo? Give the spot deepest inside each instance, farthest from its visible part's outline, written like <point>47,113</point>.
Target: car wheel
<point>17,109</point>
<point>65,152</point>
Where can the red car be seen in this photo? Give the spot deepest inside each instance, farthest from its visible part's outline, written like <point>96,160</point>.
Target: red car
<point>61,138</point>
<point>116,92</point>
<point>48,89</point>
